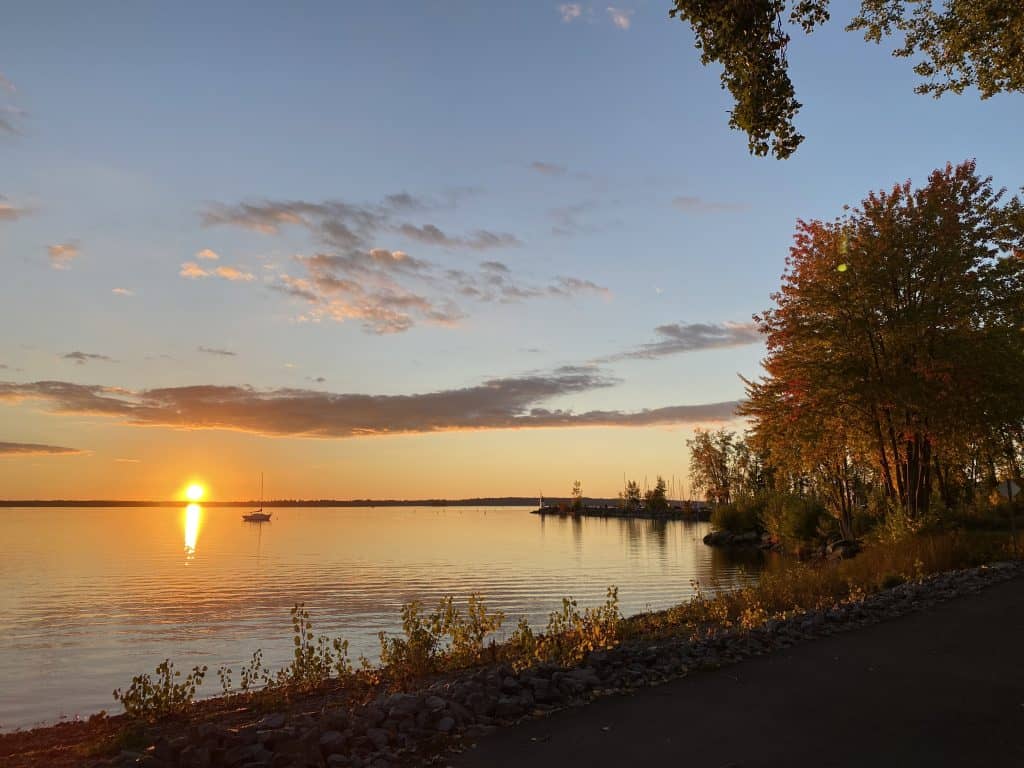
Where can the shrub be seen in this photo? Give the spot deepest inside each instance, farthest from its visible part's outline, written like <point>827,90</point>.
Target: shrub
<point>571,635</point>
<point>149,699</point>
<point>739,516</point>
<point>441,639</point>
<point>792,518</point>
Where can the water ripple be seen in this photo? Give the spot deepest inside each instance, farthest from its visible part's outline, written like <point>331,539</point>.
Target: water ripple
<point>95,596</point>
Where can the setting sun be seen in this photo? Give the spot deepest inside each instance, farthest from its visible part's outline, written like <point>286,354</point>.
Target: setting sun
<point>194,492</point>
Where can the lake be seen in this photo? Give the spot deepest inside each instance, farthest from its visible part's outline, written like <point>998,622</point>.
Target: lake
<point>93,596</point>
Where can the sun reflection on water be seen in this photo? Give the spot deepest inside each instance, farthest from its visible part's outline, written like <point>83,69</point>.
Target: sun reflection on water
<point>193,516</point>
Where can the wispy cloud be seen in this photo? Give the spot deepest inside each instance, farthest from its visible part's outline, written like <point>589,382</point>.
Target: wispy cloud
<point>194,271</point>
<point>621,17</point>
<point>385,290</point>
<point>7,85</point>
<point>569,219</point>
<point>127,461</point>
<point>691,204</point>
<point>548,169</point>
<point>35,449</point>
<point>62,254</point>
<point>217,351</point>
<point>81,358</point>
<point>500,403</point>
<point>122,291</point>
<point>480,240</point>
<point>570,12</point>
<point>10,212</point>
<point>208,255</point>
<point>353,226</point>
<point>234,274</point>
<point>10,117</point>
<point>678,338</point>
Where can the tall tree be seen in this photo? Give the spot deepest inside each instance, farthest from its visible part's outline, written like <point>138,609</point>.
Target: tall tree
<point>712,461</point>
<point>960,43</point>
<point>896,337</point>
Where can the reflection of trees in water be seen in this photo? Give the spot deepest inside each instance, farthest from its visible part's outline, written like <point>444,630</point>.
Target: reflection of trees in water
<point>726,563</point>
<point>658,531</point>
<point>577,534</point>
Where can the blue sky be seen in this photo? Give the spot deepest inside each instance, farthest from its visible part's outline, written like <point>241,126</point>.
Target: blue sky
<point>596,153</point>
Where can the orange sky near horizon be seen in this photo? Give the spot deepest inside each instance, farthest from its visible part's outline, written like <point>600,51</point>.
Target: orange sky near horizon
<point>128,462</point>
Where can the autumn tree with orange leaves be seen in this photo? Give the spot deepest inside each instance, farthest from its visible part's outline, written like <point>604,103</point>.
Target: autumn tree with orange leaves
<point>896,347</point>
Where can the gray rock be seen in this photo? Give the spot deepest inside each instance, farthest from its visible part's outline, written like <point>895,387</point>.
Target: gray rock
<point>446,724</point>
<point>332,743</point>
<point>374,715</point>
<point>508,707</point>
<point>585,676</point>
<point>194,757</point>
<point>402,705</point>
<point>273,721</point>
<point>378,737</point>
<point>435,704</point>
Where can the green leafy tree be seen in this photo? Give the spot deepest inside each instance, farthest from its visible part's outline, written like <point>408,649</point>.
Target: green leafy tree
<point>959,43</point>
<point>576,505</point>
<point>631,497</point>
<point>656,499</point>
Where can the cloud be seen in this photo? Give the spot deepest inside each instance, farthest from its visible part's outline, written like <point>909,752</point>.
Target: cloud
<point>216,351</point>
<point>495,282</point>
<point>208,255</point>
<point>621,17</point>
<point>9,118</point>
<point>570,12</point>
<point>62,254</point>
<point>567,218</point>
<point>233,274</point>
<point>548,169</point>
<point>690,204</point>
<point>9,212</point>
<point>128,461</point>
<point>480,240</point>
<point>192,270</point>
<point>500,403</point>
<point>122,291</point>
<point>385,290</point>
<point>678,338</point>
<point>7,85</point>
<point>351,226</point>
<point>81,358</point>
<point>35,449</point>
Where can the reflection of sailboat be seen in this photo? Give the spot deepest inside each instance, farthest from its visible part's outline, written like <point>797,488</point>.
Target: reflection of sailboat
<point>258,515</point>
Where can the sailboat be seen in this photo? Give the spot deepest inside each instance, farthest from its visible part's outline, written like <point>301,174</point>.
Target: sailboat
<point>258,515</point>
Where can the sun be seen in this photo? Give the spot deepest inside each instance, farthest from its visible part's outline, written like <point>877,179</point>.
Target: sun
<point>194,492</point>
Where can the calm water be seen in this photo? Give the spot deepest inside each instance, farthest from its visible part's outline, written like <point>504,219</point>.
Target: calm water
<point>92,597</point>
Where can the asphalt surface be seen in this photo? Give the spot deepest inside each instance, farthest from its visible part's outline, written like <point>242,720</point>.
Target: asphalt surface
<point>944,687</point>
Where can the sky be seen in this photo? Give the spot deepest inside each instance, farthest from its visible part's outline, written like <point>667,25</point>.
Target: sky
<point>406,250</point>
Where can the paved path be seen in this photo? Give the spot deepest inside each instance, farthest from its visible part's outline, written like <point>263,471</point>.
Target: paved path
<point>939,688</point>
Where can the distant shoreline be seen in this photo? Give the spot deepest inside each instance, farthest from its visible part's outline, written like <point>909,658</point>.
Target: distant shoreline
<point>501,501</point>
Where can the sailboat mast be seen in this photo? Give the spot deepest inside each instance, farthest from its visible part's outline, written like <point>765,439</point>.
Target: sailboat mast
<point>261,491</point>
